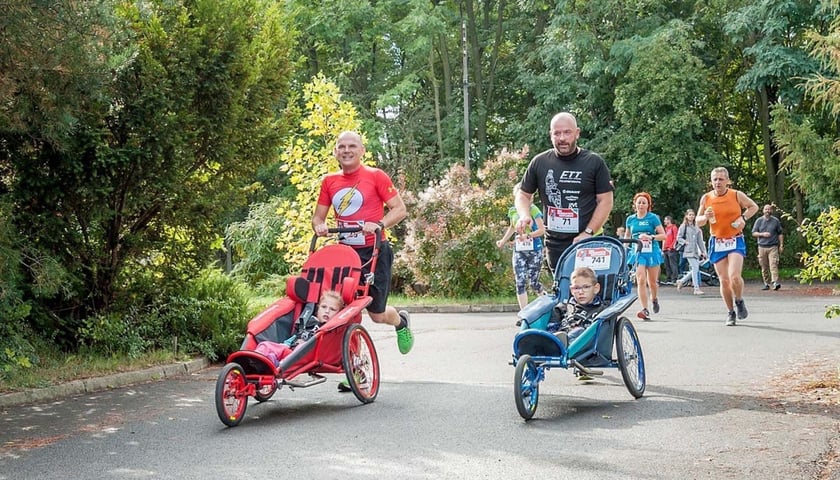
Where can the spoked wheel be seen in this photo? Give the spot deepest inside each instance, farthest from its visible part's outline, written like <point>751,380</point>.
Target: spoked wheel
<point>712,281</point>
<point>266,392</point>
<point>526,386</point>
<point>231,398</point>
<point>360,363</point>
<point>631,362</point>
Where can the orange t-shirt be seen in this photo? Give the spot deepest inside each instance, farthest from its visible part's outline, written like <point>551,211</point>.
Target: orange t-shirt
<point>727,209</point>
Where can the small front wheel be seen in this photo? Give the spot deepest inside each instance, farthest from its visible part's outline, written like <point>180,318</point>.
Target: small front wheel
<point>231,396</point>
<point>360,363</point>
<point>526,386</point>
<point>266,392</point>
<point>631,362</point>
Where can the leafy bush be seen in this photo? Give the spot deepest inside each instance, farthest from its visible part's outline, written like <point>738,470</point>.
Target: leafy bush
<point>823,235</point>
<point>15,349</point>
<point>452,228</point>
<point>254,241</point>
<point>114,334</point>
<point>208,317</point>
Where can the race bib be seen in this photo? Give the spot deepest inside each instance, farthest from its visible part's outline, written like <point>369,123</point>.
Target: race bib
<point>594,258</point>
<point>725,244</point>
<point>355,238</point>
<point>564,220</point>
<point>647,246</point>
<point>525,245</point>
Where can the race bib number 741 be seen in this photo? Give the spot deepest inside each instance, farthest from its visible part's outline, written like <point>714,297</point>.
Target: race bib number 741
<point>594,258</point>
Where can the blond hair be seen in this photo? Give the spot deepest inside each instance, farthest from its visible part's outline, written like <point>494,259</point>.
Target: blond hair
<point>334,296</point>
<point>585,273</point>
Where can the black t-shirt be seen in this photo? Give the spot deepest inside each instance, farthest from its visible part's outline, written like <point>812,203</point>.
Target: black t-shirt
<point>567,188</point>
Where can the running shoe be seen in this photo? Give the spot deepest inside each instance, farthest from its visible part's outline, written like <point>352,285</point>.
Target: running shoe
<point>644,314</point>
<point>730,319</point>
<point>405,339</point>
<point>777,285</point>
<point>741,308</point>
<point>655,305</point>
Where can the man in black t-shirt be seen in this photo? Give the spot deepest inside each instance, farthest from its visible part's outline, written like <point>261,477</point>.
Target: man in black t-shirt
<point>574,186</point>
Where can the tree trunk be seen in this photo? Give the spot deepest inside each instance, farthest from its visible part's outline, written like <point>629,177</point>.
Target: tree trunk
<point>772,156</point>
<point>446,66</point>
<point>436,88</point>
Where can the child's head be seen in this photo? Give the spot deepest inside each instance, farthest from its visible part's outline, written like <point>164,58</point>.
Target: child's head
<point>584,285</point>
<point>330,304</point>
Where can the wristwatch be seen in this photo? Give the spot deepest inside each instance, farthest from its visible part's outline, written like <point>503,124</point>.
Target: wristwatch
<point>589,231</point>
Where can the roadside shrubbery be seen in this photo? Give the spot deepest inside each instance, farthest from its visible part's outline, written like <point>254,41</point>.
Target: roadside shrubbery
<point>15,349</point>
<point>207,318</point>
<point>823,235</point>
<point>449,248</point>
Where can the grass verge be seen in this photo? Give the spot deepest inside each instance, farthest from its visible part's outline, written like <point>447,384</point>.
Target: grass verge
<point>55,368</point>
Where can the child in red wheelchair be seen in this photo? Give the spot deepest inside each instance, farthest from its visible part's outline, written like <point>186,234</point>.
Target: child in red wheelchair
<point>329,304</point>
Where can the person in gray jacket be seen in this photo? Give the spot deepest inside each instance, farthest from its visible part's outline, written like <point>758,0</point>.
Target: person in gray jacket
<point>767,231</point>
<point>690,241</point>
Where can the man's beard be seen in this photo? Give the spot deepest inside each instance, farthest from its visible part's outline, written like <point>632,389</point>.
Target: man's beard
<point>571,150</point>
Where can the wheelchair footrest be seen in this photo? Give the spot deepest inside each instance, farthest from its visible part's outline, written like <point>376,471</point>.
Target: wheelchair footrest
<point>315,379</point>
<point>586,370</point>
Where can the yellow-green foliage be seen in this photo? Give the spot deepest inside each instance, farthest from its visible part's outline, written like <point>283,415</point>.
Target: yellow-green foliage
<point>823,235</point>
<point>307,158</point>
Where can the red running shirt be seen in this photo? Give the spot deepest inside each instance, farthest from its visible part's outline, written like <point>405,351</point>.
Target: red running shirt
<point>357,197</point>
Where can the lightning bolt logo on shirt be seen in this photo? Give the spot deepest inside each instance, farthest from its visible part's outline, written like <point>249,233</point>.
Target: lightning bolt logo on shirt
<point>347,201</point>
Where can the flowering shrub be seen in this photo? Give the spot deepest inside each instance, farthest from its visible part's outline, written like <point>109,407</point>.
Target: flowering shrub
<point>452,228</point>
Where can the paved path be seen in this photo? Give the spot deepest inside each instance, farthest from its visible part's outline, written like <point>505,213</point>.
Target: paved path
<point>721,403</point>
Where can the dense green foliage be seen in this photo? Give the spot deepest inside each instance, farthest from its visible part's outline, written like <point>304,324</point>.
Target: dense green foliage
<point>128,131</point>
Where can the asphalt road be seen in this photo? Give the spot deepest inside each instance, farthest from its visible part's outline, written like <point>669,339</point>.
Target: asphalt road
<point>718,405</point>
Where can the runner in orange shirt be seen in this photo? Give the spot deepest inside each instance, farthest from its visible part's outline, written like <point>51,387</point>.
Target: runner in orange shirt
<point>727,211</point>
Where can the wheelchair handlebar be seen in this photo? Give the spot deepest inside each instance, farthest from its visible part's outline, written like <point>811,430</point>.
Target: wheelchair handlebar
<point>376,244</point>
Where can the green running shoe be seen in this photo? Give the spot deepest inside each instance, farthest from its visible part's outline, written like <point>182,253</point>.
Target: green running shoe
<point>405,339</point>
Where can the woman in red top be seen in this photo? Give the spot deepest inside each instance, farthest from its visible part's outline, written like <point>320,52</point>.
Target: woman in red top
<point>727,211</point>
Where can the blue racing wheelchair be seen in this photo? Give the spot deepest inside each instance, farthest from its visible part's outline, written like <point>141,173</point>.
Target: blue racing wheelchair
<point>535,349</point>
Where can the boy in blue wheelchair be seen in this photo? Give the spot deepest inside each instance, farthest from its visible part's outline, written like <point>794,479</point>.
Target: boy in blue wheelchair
<point>570,319</point>
<point>581,326</point>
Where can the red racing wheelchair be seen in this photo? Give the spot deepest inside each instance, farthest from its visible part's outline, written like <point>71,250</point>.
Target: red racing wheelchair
<point>340,346</point>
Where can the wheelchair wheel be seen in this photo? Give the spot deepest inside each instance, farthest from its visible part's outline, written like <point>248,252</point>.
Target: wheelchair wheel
<point>630,359</point>
<point>231,399</point>
<point>526,387</point>
<point>360,363</point>
<point>265,393</point>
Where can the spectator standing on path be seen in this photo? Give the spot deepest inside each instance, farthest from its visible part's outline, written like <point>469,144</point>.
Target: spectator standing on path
<point>646,227</point>
<point>575,189</point>
<point>694,250</point>
<point>359,195</point>
<point>767,231</point>
<point>527,252</point>
<point>727,211</point>
<point>672,256</point>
